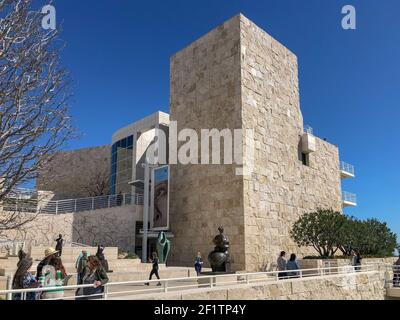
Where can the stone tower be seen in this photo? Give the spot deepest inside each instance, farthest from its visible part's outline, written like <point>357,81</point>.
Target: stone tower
<point>239,77</point>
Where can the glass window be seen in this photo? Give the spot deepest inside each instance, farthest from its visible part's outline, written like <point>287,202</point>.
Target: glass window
<point>130,141</point>
<point>121,165</point>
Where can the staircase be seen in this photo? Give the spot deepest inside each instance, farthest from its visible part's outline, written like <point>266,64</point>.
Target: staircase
<point>123,269</point>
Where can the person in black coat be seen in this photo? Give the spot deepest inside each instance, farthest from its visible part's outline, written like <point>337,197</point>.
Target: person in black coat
<point>59,244</point>
<point>100,256</point>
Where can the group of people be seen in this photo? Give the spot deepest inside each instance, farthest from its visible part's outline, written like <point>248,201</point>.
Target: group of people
<point>287,269</point>
<point>51,273</point>
<point>356,260</point>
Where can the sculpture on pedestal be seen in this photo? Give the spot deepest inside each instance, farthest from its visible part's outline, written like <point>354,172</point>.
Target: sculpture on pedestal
<point>163,247</point>
<point>219,259</point>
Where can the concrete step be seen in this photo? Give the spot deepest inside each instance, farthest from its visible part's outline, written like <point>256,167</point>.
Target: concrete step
<point>73,252</point>
<point>120,265</point>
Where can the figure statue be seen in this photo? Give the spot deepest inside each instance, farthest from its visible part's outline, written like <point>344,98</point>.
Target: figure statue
<point>219,259</point>
<point>163,247</point>
<point>102,259</point>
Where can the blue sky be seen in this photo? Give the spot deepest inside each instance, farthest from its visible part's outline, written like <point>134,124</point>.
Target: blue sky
<point>118,55</point>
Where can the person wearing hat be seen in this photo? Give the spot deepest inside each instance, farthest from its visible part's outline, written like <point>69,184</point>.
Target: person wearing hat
<point>48,254</point>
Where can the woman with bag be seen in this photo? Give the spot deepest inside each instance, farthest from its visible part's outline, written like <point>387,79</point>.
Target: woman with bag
<point>95,275</point>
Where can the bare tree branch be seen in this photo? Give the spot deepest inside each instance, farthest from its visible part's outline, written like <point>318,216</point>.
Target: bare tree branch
<point>34,94</point>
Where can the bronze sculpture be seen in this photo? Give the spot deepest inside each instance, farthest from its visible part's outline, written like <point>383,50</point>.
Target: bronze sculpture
<point>163,247</point>
<point>219,259</point>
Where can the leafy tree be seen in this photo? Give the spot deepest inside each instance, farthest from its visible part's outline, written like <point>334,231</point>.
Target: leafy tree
<point>327,231</point>
<point>323,230</point>
<point>373,237</point>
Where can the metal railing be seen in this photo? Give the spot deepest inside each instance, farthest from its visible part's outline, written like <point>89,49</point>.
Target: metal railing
<point>140,288</point>
<point>308,129</point>
<point>12,246</point>
<point>346,167</point>
<point>72,205</point>
<point>23,193</point>
<point>349,197</point>
<point>393,278</point>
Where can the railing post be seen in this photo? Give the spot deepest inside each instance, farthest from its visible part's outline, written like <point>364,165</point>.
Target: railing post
<point>75,205</point>
<point>92,203</point>
<point>211,282</point>
<point>124,199</point>
<point>247,279</point>
<point>108,201</point>
<point>56,207</point>
<point>165,286</point>
<point>105,293</point>
<point>9,287</point>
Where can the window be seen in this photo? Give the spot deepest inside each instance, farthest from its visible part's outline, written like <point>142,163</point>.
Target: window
<point>305,159</point>
<point>121,165</point>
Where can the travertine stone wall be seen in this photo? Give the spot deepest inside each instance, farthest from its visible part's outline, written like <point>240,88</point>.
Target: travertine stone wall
<point>205,94</point>
<point>238,77</point>
<point>281,188</point>
<point>111,227</point>
<point>367,286</point>
<point>77,173</point>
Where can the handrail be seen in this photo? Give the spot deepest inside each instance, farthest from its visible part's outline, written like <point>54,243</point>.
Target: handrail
<point>72,205</point>
<point>308,129</point>
<point>349,197</point>
<point>208,280</point>
<point>346,167</point>
<point>77,244</point>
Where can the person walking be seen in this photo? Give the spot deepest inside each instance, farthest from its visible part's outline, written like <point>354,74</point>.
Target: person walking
<point>95,275</point>
<point>23,279</point>
<point>198,264</point>
<point>54,275</point>
<point>48,254</point>
<point>396,273</point>
<point>80,265</point>
<point>281,262</point>
<point>292,265</point>
<point>59,244</point>
<point>154,270</point>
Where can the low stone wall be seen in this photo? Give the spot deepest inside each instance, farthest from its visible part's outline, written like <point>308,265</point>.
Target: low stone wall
<point>360,286</point>
<point>112,227</point>
<point>321,263</point>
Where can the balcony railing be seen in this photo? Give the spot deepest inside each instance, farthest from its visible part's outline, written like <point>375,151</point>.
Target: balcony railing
<point>71,205</point>
<point>349,199</point>
<point>346,169</point>
<point>308,129</point>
